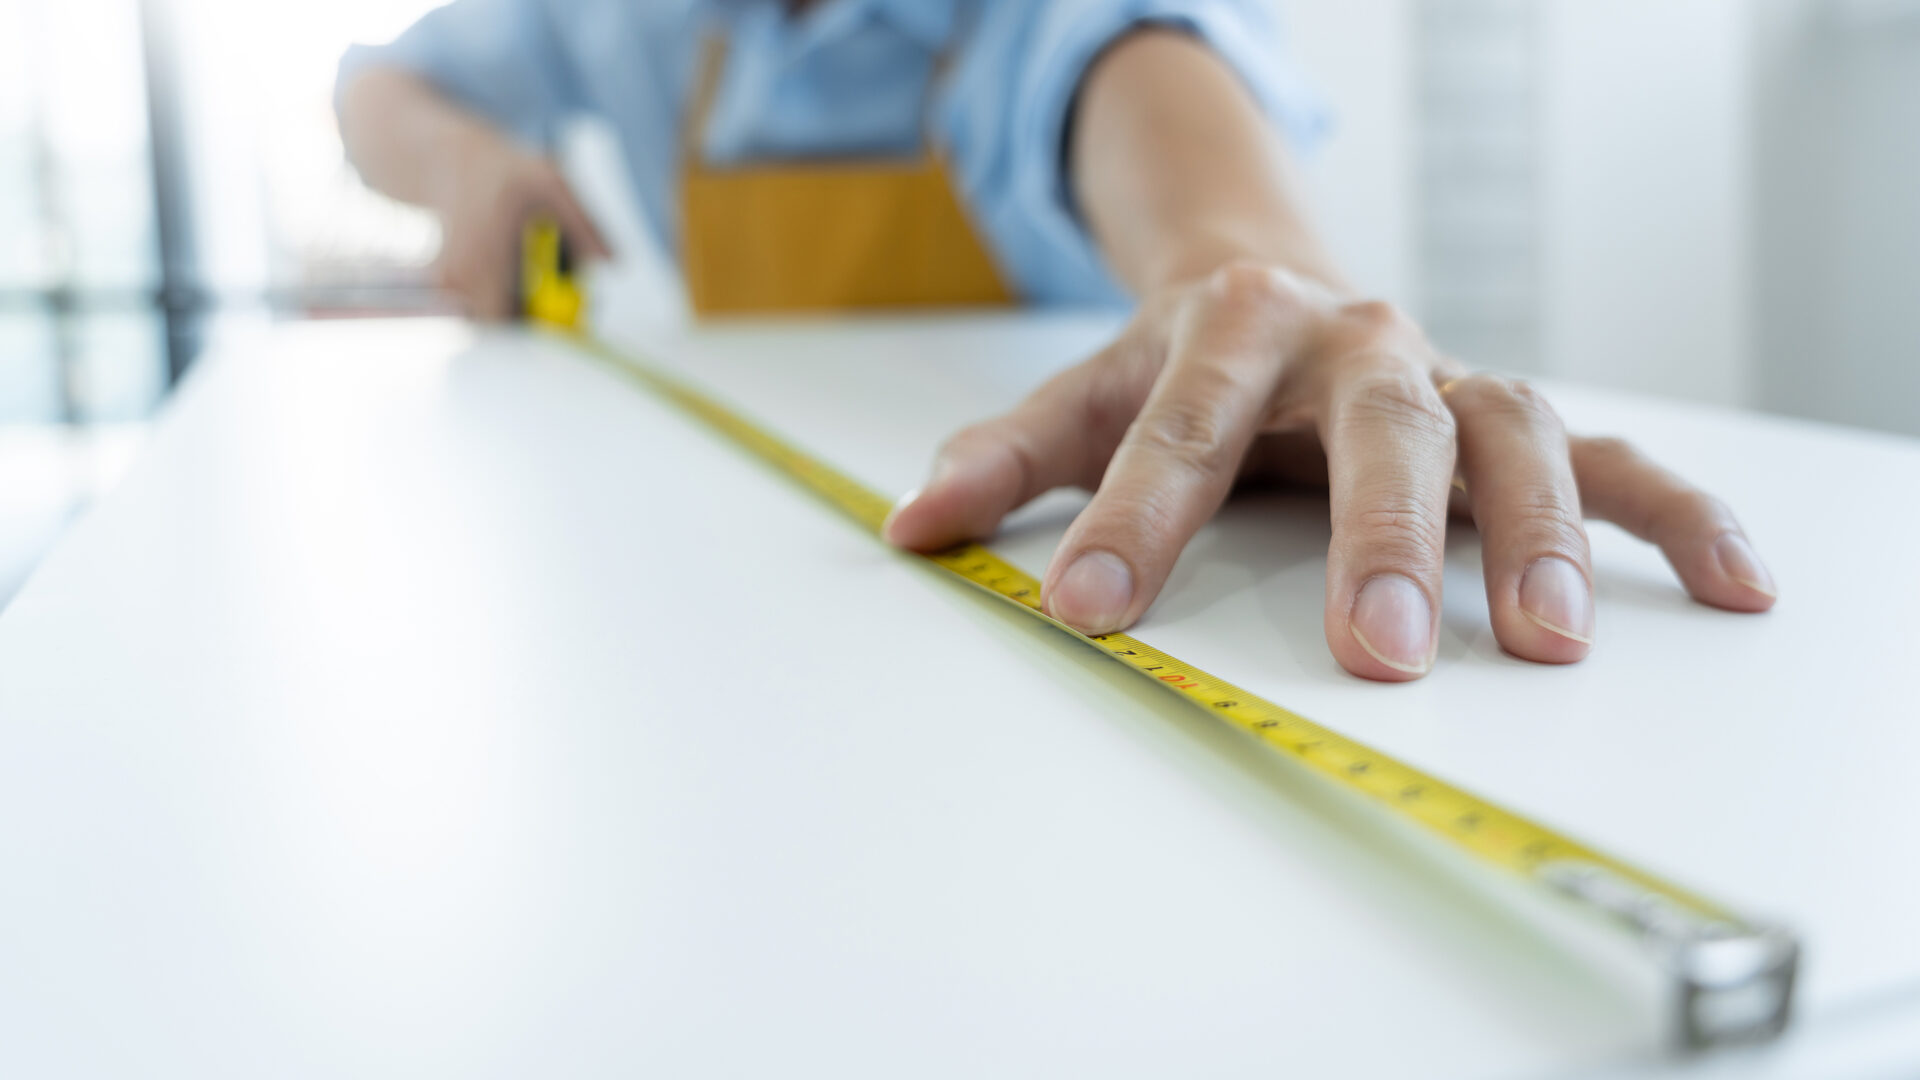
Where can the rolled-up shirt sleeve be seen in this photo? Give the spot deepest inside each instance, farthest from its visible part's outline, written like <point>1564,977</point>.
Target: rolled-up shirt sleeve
<point>499,58</point>
<point>1024,194</point>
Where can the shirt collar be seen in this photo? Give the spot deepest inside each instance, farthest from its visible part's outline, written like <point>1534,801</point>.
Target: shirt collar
<point>928,23</point>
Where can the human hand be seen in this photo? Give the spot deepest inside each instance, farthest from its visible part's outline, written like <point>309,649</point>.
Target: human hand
<point>484,201</point>
<point>1253,371</point>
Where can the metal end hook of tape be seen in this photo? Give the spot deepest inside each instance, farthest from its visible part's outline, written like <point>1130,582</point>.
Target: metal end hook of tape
<point>1734,987</point>
<point>1733,980</point>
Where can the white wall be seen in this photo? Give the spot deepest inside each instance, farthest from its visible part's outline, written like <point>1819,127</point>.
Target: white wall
<point>1359,54</point>
<point>1641,186</point>
<point>1838,200</point>
<point>1646,150</point>
<point>1728,191</point>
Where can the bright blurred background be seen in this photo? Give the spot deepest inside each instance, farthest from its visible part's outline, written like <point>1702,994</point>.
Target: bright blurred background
<point>1713,199</point>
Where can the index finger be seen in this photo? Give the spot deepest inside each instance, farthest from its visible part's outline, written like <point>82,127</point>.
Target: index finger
<point>1180,455</point>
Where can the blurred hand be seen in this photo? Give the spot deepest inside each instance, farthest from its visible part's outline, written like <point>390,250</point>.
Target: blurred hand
<point>1256,372</point>
<point>483,204</point>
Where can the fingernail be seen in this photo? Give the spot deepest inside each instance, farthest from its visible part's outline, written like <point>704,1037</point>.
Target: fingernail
<point>1094,593</point>
<point>1392,620</point>
<point>943,468</point>
<point>1555,594</point>
<point>904,501</point>
<point>1740,563</point>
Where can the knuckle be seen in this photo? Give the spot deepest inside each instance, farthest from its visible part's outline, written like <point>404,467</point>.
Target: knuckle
<point>1401,532</point>
<point>1509,398</point>
<point>1401,401</point>
<point>1189,432</point>
<point>1545,519</point>
<point>1244,283</point>
<point>1377,315</point>
<point>1370,328</point>
<point>1137,523</point>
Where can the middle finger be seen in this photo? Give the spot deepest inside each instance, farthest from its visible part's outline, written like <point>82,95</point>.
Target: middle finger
<point>1390,454</point>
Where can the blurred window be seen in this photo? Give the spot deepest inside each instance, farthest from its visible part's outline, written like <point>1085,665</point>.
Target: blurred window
<point>79,333</point>
<point>296,226</point>
<point>168,162</point>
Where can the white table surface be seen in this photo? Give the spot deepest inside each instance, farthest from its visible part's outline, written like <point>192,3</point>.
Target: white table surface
<point>425,706</point>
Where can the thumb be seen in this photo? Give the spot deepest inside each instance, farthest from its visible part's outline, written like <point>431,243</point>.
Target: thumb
<point>575,224</point>
<point>1056,437</point>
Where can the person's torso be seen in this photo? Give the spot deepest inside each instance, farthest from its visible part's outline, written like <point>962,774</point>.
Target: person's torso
<point>850,79</point>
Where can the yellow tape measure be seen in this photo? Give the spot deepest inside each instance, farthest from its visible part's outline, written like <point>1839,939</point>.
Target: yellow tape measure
<point>549,293</point>
<point>1733,977</point>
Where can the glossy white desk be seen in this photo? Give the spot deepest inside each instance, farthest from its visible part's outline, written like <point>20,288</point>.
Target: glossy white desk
<point>423,708</point>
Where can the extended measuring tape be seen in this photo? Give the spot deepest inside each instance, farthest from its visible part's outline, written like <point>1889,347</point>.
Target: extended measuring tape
<point>1732,977</point>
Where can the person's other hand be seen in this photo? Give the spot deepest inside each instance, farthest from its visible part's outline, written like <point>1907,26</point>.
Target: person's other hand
<point>483,205</point>
<point>1253,371</point>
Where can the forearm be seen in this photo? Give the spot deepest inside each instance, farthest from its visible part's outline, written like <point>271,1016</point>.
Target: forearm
<point>408,140</point>
<point>1177,171</point>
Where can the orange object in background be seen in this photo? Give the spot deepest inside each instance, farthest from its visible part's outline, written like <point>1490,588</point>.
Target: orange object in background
<point>824,236</point>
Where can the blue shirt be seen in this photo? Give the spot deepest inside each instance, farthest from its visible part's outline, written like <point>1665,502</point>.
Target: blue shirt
<point>850,77</point>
